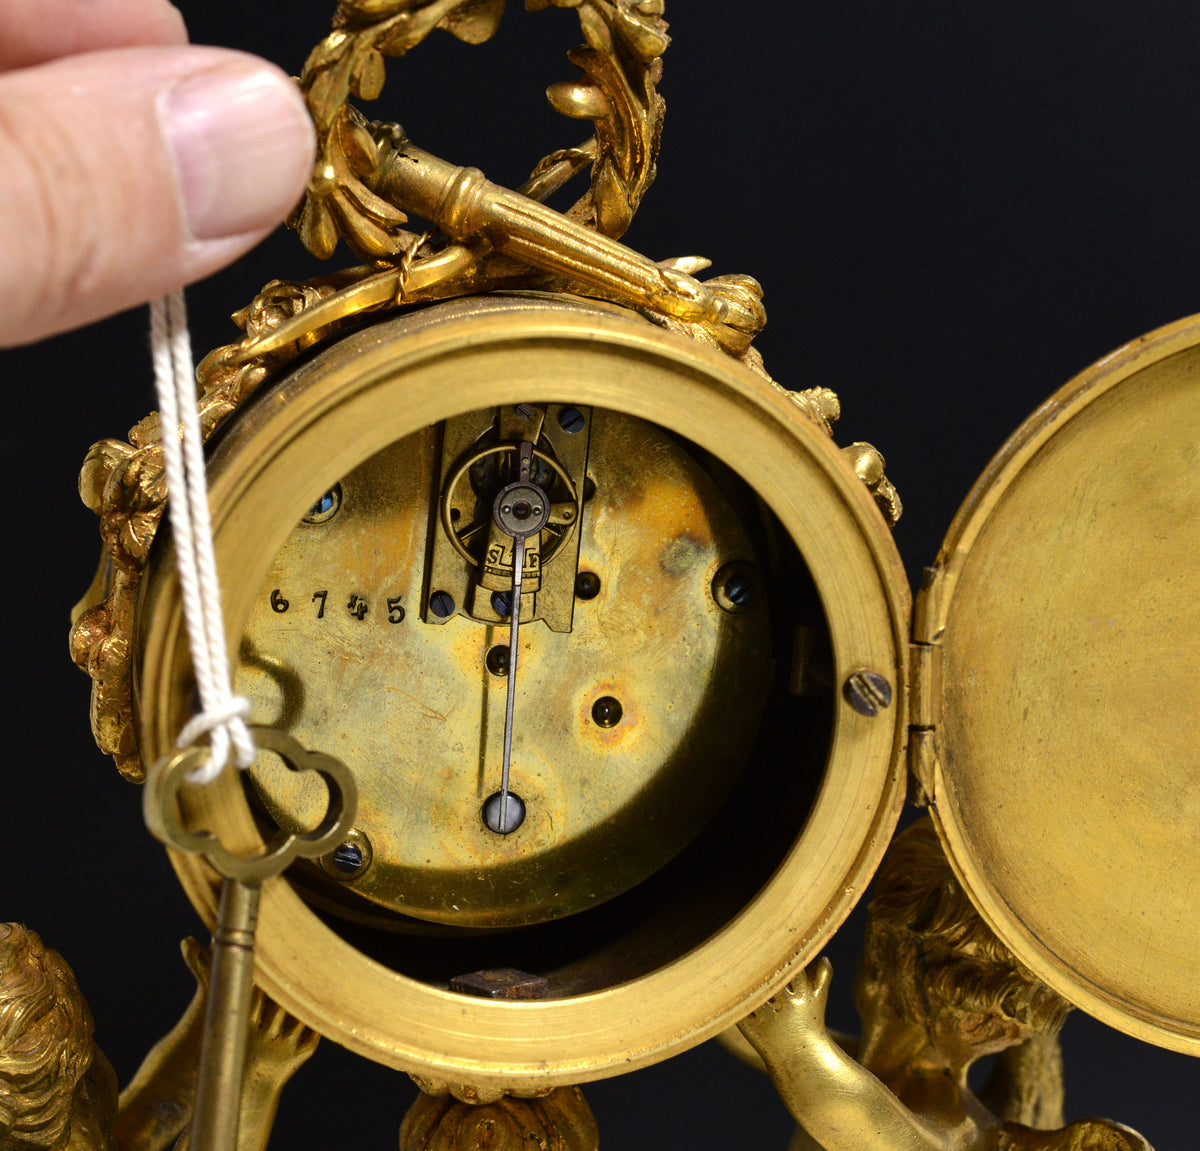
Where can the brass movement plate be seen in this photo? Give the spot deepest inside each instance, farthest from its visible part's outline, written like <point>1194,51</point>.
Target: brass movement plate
<point>1066,611</point>
<point>413,708</point>
<point>671,974</point>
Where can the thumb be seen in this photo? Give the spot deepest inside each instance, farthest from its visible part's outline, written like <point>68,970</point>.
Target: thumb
<point>820,975</point>
<point>125,174</point>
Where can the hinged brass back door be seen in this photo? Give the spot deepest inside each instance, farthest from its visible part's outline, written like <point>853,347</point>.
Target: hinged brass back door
<point>1058,722</point>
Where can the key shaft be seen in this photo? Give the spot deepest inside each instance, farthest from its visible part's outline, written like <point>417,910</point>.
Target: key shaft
<point>223,1052</point>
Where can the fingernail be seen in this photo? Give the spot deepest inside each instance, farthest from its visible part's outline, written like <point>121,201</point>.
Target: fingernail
<point>243,146</point>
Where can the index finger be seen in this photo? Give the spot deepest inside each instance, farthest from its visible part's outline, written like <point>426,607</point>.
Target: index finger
<point>34,31</point>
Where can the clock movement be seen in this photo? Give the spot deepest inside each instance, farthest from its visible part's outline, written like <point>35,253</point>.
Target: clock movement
<point>615,642</point>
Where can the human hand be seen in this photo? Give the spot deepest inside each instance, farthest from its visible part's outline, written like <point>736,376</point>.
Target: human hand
<point>199,962</point>
<point>792,1020</point>
<point>131,162</point>
<point>278,1044</point>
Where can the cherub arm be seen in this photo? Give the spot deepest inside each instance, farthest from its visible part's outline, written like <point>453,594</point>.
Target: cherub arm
<point>156,1107</point>
<point>279,1045</point>
<point>841,1104</point>
<point>740,1047</point>
<point>157,1104</point>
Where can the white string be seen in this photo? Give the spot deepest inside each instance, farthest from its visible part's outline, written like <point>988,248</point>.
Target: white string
<point>222,714</point>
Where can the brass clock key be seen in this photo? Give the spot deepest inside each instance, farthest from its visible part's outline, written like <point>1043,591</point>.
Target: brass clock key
<point>520,423</point>
<point>223,1054</point>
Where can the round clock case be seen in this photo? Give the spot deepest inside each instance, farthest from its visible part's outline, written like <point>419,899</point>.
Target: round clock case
<point>1044,696</point>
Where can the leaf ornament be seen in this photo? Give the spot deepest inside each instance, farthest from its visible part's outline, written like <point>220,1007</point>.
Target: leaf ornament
<point>340,201</point>
<point>621,65</point>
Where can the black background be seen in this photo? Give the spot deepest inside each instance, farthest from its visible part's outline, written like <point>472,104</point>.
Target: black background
<point>953,209</point>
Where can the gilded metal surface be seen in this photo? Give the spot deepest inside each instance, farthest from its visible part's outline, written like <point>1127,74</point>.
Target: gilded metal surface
<point>414,710</point>
<point>123,484</point>
<point>58,1092</point>
<point>559,1121</point>
<point>1073,696</point>
<point>936,992</point>
<point>52,1076</point>
<point>224,1049</point>
<point>868,465</point>
<point>644,991</point>
<point>575,251</point>
<point>369,177</point>
<point>468,207</point>
<point>1064,622</point>
<point>621,64</point>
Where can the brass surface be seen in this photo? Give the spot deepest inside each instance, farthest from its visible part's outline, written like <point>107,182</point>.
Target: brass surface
<point>1042,678</point>
<point>123,482</point>
<point>936,992</point>
<point>490,436</point>
<point>59,1092</point>
<point>415,712</point>
<point>1063,625</point>
<point>642,995</point>
<point>621,64</point>
<point>164,808</point>
<point>221,1070</point>
<point>369,178</point>
<point>222,1063</point>
<point>559,1121</point>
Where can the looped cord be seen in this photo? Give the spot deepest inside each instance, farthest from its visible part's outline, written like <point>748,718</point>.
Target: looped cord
<point>222,715</point>
<point>213,719</point>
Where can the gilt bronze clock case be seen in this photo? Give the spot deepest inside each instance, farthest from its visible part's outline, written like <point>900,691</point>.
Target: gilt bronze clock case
<point>656,971</point>
<point>1031,739</point>
<point>1037,722</point>
<point>1056,717</point>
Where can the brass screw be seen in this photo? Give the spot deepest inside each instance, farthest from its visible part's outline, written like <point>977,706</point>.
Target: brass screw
<point>867,692</point>
<point>350,859</point>
<point>326,507</point>
<point>571,420</point>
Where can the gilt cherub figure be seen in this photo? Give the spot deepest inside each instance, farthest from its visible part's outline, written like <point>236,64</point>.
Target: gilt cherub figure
<point>936,991</point>
<point>58,1091</point>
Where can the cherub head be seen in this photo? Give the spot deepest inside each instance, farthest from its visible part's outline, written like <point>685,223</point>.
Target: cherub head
<point>931,960</point>
<point>51,1075</point>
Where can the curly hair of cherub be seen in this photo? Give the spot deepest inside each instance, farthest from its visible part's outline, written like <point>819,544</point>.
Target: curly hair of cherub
<point>45,1040</point>
<point>929,946</point>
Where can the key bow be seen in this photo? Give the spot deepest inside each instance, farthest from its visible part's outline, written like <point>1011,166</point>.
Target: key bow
<point>168,777</point>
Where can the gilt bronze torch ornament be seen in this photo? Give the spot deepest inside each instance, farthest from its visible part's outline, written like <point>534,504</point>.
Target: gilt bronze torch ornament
<point>616,654</point>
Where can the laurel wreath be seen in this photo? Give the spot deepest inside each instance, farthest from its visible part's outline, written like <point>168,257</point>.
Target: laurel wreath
<point>620,63</point>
